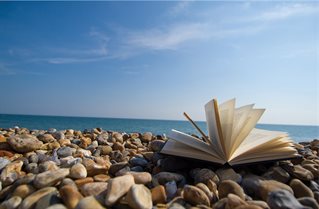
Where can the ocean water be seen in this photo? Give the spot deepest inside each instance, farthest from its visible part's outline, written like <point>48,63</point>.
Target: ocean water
<point>296,132</point>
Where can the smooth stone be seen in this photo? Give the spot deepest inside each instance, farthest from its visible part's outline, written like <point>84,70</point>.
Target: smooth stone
<point>314,186</point>
<point>313,168</point>
<point>147,137</point>
<point>23,190</point>
<point>260,203</point>
<point>277,173</point>
<point>3,162</point>
<point>118,187</point>
<point>33,158</point>
<point>309,202</point>
<point>228,174</point>
<point>141,177</point>
<point>282,199</point>
<point>86,180</point>
<point>46,138</point>
<point>70,196</point>
<point>11,172</point>
<point>94,188</point>
<point>268,186</point>
<point>50,178</point>
<point>65,151</point>
<point>105,150</point>
<point>78,171</point>
<point>233,201</point>
<point>11,203</point>
<point>195,196</point>
<point>205,189</point>
<point>24,143</point>
<point>301,173</point>
<point>58,135</point>
<point>228,186</point>
<point>157,145</point>
<point>159,194</point>
<point>93,168</point>
<point>32,199</point>
<point>101,178</point>
<point>138,161</point>
<point>47,166</point>
<point>47,200</point>
<point>139,197</point>
<point>69,161</point>
<point>67,181</point>
<point>89,202</point>
<point>171,189</point>
<point>102,139</point>
<point>163,177</point>
<point>56,206</point>
<point>300,189</point>
<point>203,175</point>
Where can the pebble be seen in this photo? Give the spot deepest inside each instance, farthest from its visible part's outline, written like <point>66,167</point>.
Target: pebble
<point>228,186</point>
<point>171,189</point>
<point>279,174</point>
<point>101,177</point>
<point>309,202</point>
<point>203,175</point>
<point>78,171</point>
<point>268,186</point>
<point>282,199</point>
<point>164,177</point>
<point>47,200</point>
<point>300,189</point>
<point>11,203</point>
<point>23,190</point>
<point>24,143</point>
<point>157,145</point>
<point>195,196</point>
<point>3,163</point>
<point>139,197</point>
<point>118,187</point>
<point>93,188</point>
<point>65,151</point>
<point>141,177</point>
<point>228,174</point>
<point>70,196</point>
<point>32,199</point>
<point>56,206</point>
<point>159,194</point>
<point>89,202</point>
<point>147,137</point>
<point>50,178</point>
<point>137,161</point>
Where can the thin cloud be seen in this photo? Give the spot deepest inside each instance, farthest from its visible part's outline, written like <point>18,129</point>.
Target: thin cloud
<point>178,8</point>
<point>5,70</point>
<point>285,11</point>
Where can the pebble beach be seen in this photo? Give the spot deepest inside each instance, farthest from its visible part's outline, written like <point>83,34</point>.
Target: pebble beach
<point>95,168</point>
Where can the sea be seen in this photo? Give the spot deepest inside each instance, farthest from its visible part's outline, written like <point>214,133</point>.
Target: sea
<point>298,133</point>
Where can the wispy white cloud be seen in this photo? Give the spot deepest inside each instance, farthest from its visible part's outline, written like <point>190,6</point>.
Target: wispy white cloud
<point>179,7</point>
<point>285,11</point>
<point>5,70</point>
<point>169,37</point>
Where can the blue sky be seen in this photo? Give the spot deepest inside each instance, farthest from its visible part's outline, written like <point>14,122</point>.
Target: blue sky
<point>158,59</point>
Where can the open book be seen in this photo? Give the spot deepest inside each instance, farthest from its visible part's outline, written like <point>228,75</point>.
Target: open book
<point>232,138</point>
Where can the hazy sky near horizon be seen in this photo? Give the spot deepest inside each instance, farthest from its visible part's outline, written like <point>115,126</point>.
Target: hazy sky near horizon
<point>158,59</point>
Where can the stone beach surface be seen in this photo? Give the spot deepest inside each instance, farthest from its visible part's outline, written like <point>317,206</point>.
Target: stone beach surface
<point>59,169</point>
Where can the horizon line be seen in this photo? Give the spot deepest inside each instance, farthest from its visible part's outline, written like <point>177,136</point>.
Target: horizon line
<point>105,117</point>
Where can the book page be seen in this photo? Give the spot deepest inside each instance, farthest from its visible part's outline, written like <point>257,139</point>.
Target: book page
<point>241,115</point>
<point>274,154</point>
<point>213,127</point>
<point>172,147</point>
<point>226,111</point>
<point>251,122</point>
<point>193,142</point>
<point>257,137</point>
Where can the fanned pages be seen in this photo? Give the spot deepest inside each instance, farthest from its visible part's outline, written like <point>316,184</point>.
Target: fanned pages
<point>232,137</point>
